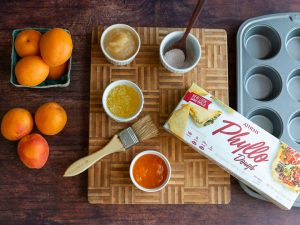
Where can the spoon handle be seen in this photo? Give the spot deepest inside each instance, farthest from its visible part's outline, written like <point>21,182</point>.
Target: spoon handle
<point>195,15</point>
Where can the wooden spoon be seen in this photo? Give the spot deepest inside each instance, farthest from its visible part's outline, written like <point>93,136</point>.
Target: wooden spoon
<point>181,44</point>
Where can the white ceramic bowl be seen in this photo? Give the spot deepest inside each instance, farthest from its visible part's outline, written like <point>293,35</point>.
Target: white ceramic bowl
<point>107,56</point>
<point>153,153</point>
<point>111,86</point>
<point>193,49</point>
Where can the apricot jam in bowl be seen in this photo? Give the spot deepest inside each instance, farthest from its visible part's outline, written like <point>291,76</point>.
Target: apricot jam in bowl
<point>150,171</point>
<point>120,44</point>
<point>122,100</point>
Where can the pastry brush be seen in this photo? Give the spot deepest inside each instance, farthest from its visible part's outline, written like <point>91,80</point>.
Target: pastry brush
<point>142,130</point>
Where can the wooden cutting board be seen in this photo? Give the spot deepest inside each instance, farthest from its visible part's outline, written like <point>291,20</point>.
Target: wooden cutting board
<point>194,178</point>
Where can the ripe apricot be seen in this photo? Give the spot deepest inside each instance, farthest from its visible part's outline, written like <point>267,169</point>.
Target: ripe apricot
<point>56,47</point>
<point>31,71</point>
<point>33,151</point>
<point>50,118</point>
<point>16,123</point>
<point>28,43</point>
<point>57,71</point>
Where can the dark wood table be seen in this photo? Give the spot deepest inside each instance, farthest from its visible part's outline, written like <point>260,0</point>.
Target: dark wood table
<point>44,196</point>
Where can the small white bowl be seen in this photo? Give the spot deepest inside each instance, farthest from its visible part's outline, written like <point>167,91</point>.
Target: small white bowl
<point>107,56</point>
<point>117,83</point>
<point>153,153</point>
<point>193,49</point>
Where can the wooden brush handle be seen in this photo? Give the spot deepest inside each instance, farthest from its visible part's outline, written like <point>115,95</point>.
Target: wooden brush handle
<point>86,162</point>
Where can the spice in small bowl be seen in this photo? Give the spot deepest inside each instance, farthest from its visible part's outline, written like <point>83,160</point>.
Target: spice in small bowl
<point>175,60</point>
<point>122,100</point>
<point>150,171</point>
<point>120,44</point>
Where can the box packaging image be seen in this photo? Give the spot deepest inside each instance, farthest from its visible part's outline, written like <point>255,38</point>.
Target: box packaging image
<point>238,145</point>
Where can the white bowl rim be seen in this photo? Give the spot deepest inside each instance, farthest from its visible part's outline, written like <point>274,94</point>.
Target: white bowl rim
<point>153,152</point>
<point>181,70</point>
<point>108,89</point>
<point>113,27</point>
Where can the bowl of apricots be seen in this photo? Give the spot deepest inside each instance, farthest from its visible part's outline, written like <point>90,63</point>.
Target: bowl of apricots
<point>41,57</point>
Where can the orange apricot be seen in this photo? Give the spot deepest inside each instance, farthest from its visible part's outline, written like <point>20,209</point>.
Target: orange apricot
<point>33,151</point>
<point>16,123</point>
<point>50,118</point>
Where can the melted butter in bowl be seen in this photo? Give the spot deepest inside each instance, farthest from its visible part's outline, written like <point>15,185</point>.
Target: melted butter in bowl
<point>122,100</point>
<point>120,43</point>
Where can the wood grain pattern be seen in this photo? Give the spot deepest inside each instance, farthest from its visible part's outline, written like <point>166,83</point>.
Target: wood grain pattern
<point>37,197</point>
<point>194,178</point>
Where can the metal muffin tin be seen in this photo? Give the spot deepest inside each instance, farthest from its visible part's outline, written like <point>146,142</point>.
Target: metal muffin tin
<point>268,76</point>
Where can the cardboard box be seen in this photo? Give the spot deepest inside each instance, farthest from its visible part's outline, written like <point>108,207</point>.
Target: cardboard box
<point>242,148</point>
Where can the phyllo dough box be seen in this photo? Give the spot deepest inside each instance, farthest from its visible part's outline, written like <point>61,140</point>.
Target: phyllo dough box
<point>239,146</point>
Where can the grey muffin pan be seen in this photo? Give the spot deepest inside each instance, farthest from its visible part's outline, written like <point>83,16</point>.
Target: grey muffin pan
<point>268,77</point>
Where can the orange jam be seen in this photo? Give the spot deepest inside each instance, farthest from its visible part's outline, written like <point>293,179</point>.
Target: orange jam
<point>150,171</point>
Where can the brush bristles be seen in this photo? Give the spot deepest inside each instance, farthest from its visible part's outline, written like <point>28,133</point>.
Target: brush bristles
<point>145,128</point>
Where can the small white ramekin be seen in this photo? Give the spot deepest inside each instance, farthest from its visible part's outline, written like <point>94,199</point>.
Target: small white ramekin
<point>110,87</point>
<point>193,49</point>
<point>107,56</point>
<point>153,153</point>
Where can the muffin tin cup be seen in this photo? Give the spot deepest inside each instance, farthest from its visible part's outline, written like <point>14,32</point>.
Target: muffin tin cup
<point>267,119</point>
<point>262,42</point>
<point>263,83</point>
<point>293,44</point>
<point>293,84</point>
<point>294,127</point>
<point>268,76</point>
